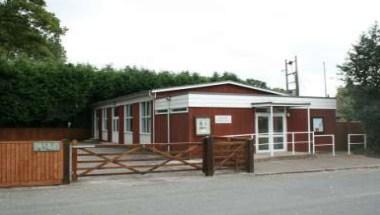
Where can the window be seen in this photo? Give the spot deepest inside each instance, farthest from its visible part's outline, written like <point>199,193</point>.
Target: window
<point>179,110</point>
<point>115,119</point>
<point>104,119</point>
<point>173,110</point>
<point>145,112</point>
<point>267,110</point>
<point>262,110</point>
<point>128,118</point>
<point>318,124</point>
<point>162,111</point>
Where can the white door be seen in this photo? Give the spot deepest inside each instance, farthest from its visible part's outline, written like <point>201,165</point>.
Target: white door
<point>279,132</point>
<point>262,131</point>
<point>115,126</point>
<point>267,135</point>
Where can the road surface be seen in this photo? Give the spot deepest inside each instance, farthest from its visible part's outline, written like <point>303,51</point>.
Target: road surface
<point>341,192</point>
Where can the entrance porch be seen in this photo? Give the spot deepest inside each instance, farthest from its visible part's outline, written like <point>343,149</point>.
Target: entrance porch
<point>271,132</point>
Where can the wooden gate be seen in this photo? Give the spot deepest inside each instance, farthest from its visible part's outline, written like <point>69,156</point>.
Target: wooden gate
<point>112,159</point>
<point>208,156</point>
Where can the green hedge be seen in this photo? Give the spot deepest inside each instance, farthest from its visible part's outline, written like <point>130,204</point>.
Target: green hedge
<point>51,94</point>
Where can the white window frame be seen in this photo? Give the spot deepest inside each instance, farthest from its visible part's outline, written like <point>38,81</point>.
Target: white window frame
<point>145,117</point>
<point>128,118</point>
<point>104,119</point>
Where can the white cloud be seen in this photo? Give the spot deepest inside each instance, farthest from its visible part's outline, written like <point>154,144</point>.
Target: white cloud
<point>249,38</point>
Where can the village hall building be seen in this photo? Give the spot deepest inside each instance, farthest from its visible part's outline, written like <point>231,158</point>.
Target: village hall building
<point>188,113</point>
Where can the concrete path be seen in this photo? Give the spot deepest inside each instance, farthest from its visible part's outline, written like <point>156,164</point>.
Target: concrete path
<point>324,162</point>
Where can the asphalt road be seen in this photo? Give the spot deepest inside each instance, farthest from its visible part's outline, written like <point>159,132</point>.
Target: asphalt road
<point>340,192</point>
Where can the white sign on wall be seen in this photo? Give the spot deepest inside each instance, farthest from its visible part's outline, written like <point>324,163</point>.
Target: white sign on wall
<point>223,119</point>
<point>203,126</point>
<point>46,146</point>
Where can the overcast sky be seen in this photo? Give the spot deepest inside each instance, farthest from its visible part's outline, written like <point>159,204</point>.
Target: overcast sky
<point>249,38</point>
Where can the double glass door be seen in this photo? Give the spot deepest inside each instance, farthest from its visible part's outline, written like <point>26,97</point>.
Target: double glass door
<point>270,138</point>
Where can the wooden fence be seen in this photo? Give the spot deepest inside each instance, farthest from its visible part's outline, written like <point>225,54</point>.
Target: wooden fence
<point>344,128</point>
<point>30,134</point>
<point>21,165</point>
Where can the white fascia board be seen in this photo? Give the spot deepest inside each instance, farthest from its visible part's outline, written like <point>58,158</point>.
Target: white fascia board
<point>175,102</point>
<point>245,101</point>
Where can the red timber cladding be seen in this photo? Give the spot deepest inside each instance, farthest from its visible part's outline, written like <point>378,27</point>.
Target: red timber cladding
<point>136,122</point>
<point>161,128</point>
<point>225,88</point>
<point>242,121</point>
<point>109,130</point>
<point>99,122</point>
<point>179,128</point>
<point>298,122</point>
<point>120,111</point>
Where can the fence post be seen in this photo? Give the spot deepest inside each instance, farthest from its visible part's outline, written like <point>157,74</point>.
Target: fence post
<point>313,143</point>
<point>208,156</point>
<point>293,149</point>
<point>348,144</point>
<point>74,160</point>
<point>250,156</point>
<point>333,145</point>
<point>66,162</point>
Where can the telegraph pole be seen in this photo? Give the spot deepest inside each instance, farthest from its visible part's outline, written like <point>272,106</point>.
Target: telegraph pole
<point>286,76</point>
<point>294,75</point>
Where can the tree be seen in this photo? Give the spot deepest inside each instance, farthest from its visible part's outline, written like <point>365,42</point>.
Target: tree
<point>27,29</point>
<point>258,83</point>
<point>361,72</point>
<point>345,104</point>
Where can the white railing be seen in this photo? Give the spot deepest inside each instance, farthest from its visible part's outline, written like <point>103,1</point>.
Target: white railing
<point>293,136</point>
<point>332,144</point>
<point>349,143</point>
<point>311,140</point>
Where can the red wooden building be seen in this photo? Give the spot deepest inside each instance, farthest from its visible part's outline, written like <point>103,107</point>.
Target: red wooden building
<point>188,113</point>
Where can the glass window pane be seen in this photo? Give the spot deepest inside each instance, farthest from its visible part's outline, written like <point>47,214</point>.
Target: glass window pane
<point>278,125</point>
<point>263,124</point>
<point>278,142</point>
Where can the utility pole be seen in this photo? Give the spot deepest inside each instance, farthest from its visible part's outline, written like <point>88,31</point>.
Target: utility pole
<point>294,81</point>
<point>286,76</point>
<point>324,78</point>
<point>296,76</point>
